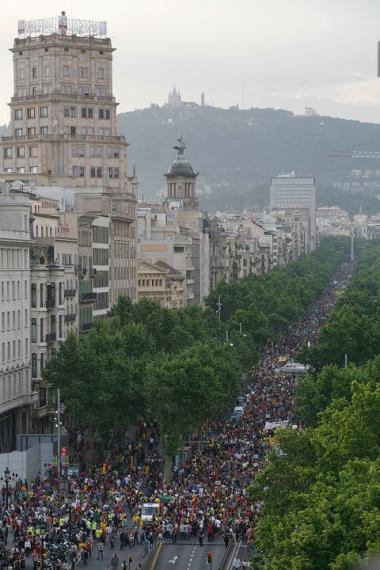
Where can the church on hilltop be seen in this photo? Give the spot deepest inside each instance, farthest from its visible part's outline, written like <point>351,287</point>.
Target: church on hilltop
<point>174,98</point>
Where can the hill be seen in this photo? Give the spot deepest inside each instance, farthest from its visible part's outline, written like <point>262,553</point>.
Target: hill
<point>237,151</point>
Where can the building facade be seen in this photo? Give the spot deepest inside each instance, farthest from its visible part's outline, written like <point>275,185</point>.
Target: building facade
<point>65,157</point>
<point>16,391</point>
<point>296,192</point>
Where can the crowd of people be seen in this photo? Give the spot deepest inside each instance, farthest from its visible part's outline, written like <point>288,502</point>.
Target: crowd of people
<point>207,499</point>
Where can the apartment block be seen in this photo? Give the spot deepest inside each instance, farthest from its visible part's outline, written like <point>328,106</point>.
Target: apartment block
<point>16,391</point>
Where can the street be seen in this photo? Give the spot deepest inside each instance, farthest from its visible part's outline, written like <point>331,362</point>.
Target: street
<point>190,556</point>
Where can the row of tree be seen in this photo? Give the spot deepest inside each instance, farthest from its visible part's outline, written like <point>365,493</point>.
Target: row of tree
<point>176,367</point>
<point>322,494</point>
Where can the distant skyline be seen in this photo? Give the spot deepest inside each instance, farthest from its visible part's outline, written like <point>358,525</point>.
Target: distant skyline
<point>279,53</point>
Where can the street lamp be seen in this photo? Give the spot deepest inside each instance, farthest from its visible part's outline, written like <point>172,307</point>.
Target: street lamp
<point>6,475</point>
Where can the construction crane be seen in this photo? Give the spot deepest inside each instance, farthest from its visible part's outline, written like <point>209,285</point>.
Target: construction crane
<point>355,154</point>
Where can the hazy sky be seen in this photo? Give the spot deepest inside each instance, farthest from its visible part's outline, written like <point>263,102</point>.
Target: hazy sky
<point>271,53</point>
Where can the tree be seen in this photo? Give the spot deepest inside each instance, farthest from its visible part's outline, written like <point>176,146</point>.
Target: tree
<point>186,389</point>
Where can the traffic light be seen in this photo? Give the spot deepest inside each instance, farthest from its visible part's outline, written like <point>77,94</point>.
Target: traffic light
<point>209,558</point>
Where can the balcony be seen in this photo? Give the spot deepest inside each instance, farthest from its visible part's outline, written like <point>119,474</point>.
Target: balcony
<point>68,137</point>
<point>40,412</point>
<point>70,318</point>
<point>69,293</point>
<point>87,297</point>
<point>50,303</point>
<point>51,337</point>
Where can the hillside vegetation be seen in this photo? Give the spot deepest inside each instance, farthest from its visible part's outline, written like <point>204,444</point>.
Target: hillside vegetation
<point>237,151</point>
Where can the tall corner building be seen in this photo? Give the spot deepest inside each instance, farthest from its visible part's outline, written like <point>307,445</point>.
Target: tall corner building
<point>293,192</point>
<point>63,131</point>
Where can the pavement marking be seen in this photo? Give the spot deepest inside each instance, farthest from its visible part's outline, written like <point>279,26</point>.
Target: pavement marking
<point>191,557</point>
<point>173,560</point>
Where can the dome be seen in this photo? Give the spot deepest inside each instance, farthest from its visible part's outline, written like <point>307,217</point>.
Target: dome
<point>181,167</point>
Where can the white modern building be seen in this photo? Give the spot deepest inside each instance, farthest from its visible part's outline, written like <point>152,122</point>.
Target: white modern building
<point>290,191</point>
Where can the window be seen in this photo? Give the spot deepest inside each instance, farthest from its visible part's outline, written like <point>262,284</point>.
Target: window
<point>34,365</point>
<point>99,234</point>
<point>100,256</point>
<point>84,90</point>
<point>42,304</point>
<point>87,113</point>
<point>100,73</point>
<point>78,150</point>
<point>33,151</point>
<point>96,172</point>
<point>67,89</point>
<point>47,71</point>
<point>33,169</point>
<point>87,131</point>
<point>104,114</point>
<point>34,72</point>
<point>104,132</point>
<point>66,71</point>
<point>19,132</point>
<point>18,114</point>
<point>113,172</point>
<point>95,151</point>
<point>101,91</point>
<point>66,112</point>
<point>8,152</point>
<point>21,73</point>
<point>66,49</point>
<point>101,279</point>
<point>101,301</point>
<point>113,152</point>
<point>83,72</point>
<point>46,89</point>
<point>20,152</point>
<point>34,330</point>
<point>21,169</point>
<point>31,131</point>
<point>78,171</point>
<point>31,113</point>
<point>60,327</point>
<point>44,130</point>
<point>73,111</point>
<point>33,290</point>
<point>43,112</point>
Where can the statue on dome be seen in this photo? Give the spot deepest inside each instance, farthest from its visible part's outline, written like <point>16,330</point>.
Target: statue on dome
<point>180,148</point>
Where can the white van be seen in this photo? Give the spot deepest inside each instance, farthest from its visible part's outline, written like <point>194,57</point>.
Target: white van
<point>237,413</point>
<point>148,512</point>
